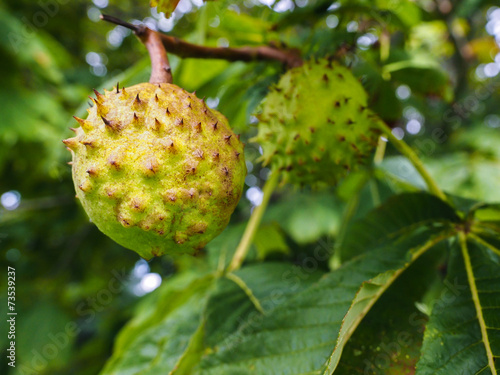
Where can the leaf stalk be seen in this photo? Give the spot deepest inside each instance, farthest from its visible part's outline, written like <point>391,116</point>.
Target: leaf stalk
<point>253,223</point>
<point>412,156</point>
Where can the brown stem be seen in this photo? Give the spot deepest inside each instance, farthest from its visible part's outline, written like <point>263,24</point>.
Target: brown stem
<point>290,57</point>
<point>160,67</point>
<point>161,71</point>
<point>120,22</point>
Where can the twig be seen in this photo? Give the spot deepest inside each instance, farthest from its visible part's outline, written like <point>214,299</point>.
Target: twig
<point>181,48</point>
<point>120,22</point>
<point>290,57</point>
<point>412,156</point>
<point>161,71</point>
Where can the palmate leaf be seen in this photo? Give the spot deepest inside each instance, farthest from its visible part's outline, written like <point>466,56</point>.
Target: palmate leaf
<point>301,335</point>
<point>298,337</point>
<point>275,318</point>
<point>463,337</point>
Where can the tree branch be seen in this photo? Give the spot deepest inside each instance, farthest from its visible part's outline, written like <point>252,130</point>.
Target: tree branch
<point>120,22</point>
<point>290,57</point>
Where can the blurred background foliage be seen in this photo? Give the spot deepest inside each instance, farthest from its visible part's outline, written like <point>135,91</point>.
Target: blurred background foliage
<point>431,68</point>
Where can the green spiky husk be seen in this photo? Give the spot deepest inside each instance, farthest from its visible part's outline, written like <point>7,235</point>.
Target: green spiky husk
<point>156,169</point>
<point>314,125</point>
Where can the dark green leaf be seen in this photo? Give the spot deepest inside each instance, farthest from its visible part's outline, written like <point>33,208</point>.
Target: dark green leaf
<point>165,330</point>
<point>463,333</point>
<point>399,174</point>
<point>388,339</point>
<point>319,216</point>
<point>248,295</point>
<point>270,239</point>
<point>298,336</point>
<point>398,216</point>
<point>166,6</point>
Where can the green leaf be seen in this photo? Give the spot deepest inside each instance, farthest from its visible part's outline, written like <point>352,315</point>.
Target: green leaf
<point>466,7</point>
<point>485,227</point>
<point>382,92</point>
<point>487,212</point>
<point>366,297</point>
<point>169,333</point>
<point>193,74</point>
<point>483,140</point>
<point>470,176</point>
<point>32,122</point>
<point>166,332</point>
<point>399,174</point>
<point>488,237</point>
<point>40,330</point>
<point>166,6</point>
<point>240,28</point>
<point>351,9</point>
<point>389,338</point>
<point>400,215</point>
<point>319,216</point>
<point>420,71</point>
<point>192,353</point>
<point>221,249</point>
<point>269,239</point>
<point>298,336</point>
<point>249,294</point>
<point>406,10</point>
<point>463,335</point>
<point>36,50</point>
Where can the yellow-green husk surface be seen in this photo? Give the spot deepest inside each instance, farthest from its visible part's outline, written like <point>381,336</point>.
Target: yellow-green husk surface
<point>156,169</point>
<point>314,125</point>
